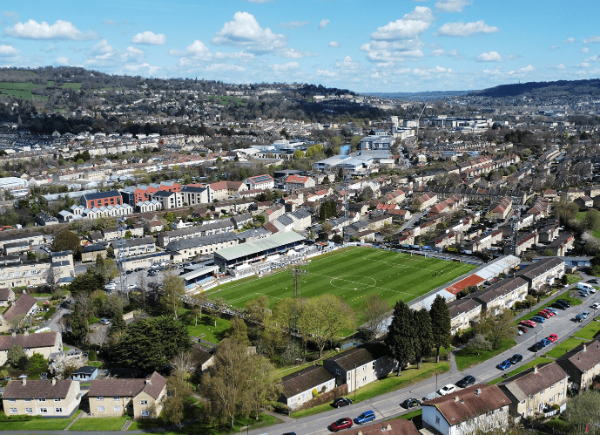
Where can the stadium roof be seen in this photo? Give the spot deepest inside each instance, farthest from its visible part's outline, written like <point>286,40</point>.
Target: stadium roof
<point>199,272</point>
<point>257,246</point>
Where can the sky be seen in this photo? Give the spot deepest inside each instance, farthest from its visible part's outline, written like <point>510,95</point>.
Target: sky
<point>364,46</point>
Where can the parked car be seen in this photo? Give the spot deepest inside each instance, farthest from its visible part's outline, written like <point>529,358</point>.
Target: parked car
<point>105,321</point>
<point>563,302</point>
<point>447,389</point>
<point>504,365</point>
<point>547,311</point>
<point>342,401</point>
<point>529,323</point>
<point>559,306</point>
<point>365,417</point>
<point>342,423</point>
<point>466,381</point>
<point>522,329</point>
<point>538,319</point>
<point>537,346</point>
<point>410,403</point>
<point>585,314</point>
<point>552,337</point>
<point>595,306</point>
<point>545,342</point>
<point>131,286</point>
<point>552,310</point>
<point>544,314</point>
<point>579,318</point>
<point>516,358</point>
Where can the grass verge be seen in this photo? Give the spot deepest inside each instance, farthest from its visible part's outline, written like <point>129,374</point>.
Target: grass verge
<point>537,361</point>
<point>264,420</point>
<point>39,423</point>
<point>465,359</point>
<point>92,424</point>
<point>589,332</point>
<point>564,347</point>
<point>391,383</point>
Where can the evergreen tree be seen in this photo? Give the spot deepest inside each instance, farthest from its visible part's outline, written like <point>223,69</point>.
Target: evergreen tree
<point>424,338</point>
<point>401,335</point>
<point>79,328</point>
<point>440,324</point>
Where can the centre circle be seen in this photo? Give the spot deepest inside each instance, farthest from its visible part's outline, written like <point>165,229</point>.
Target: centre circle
<point>352,282</point>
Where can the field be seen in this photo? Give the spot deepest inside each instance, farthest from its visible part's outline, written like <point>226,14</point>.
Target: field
<point>23,90</point>
<point>353,275</point>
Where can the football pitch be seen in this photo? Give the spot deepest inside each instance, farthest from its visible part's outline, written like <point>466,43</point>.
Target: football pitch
<point>353,275</point>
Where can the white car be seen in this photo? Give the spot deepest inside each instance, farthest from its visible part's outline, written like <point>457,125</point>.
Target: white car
<point>447,389</point>
<point>131,286</point>
<point>596,306</point>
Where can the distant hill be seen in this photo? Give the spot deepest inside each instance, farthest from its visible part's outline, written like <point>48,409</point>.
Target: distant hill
<point>419,96</point>
<point>547,89</point>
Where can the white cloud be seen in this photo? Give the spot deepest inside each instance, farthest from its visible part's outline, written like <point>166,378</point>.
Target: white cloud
<point>292,53</point>
<point>285,67</point>
<point>62,61</point>
<point>594,58</point>
<point>197,50</point>
<point>379,51</point>
<point>325,73</point>
<point>11,15</point>
<point>7,50</point>
<point>585,50</point>
<point>428,72</point>
<point>102,54</point>
<point>466,29</point>
<point>438,52</point>
<point>521,71</point>
<point>59,30</point>
<point>295,24</point>
<point>561,66</point>
<point>149,38</point>
<point>554,47</point>
<point>244,31</point>
<point>451,5</point>
<point>451,53</point>
<point>334,44</point>
<point>143,67</point>
<point>584,65</point>
<point>492,56</point>
<point>221,67</point>
<point>348,64</point>
<point>569,41</point>
<point>323,24</point>
<point>591,39</point>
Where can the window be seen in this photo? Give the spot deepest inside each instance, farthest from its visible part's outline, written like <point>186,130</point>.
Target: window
<point>100,408</point>
<point>117,409</point>
<point>100,398</point>
<point>437,420</point>
<point>58,410</point>
<point>27,400</point>
<point>42,399</point>
<point>348,375</point>
<point>492,426</point>
<point>12,400</point>
<point>43,410</point>
<point>522,402</point>
<point>57,399</point>
<point>143,402</point>
<point>364,379</point>
<point>552,387</point>
<point>116,398</point>
<point>542,392</point>
<point>29,410</point>
<point>146,413</point>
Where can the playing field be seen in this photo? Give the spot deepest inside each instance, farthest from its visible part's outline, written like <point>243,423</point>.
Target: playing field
<point>352,274</point>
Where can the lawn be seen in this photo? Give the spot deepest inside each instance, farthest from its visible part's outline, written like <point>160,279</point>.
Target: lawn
<point>466,359</point>
<point>107,423</point>
<point>391,383</point>
<point>353,275</point>
<point>580,217</point>
<point>564,347</point>
<point>573,278</point>
<point>207,428</point>
<point>537,361</point>
<point>39,424</point>
<point>206,326</point>
<point>589,332</point>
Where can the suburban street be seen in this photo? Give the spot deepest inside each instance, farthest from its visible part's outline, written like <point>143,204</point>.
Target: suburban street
<point>387,406</point>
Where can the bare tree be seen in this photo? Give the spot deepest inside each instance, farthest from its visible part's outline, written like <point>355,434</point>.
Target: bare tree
<point>373,312</point>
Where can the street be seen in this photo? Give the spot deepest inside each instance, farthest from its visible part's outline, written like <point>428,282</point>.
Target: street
<point>388,405</point>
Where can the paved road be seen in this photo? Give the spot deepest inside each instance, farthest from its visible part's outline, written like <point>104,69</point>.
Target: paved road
<point>387,405</point>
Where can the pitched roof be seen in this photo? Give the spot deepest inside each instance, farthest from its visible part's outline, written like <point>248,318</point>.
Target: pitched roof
<point>472,402</point>
<point>102,195</point>
<point>21,306</point>
<point>5,294</point>
<point>535,379</point>
<point>305,379</point>
<point>540,267</point>
<point>43,339</point>
<point>152,385</point>
<point>583,357</point>
<point>360,355</point>
<point>37,389</point>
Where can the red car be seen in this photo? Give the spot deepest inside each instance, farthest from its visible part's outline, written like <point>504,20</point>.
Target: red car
<point>553,337</point>
<point>544,314</point>
<point>529,323</point>
<point>342,423</point>
<point>550,313</point>
<point>522,328</point>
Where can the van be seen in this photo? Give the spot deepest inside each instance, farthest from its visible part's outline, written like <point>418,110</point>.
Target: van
<point>586,287</point>
<point>365,417</point>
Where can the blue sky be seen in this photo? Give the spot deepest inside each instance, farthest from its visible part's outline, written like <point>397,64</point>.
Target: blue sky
<point>380,45</point>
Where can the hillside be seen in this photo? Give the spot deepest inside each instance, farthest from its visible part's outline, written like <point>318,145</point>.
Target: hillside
<point>419,96</point>
<point>546,89</point>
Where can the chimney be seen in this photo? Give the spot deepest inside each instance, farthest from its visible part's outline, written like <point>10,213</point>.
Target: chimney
<point>584,347</point>
<point>456,399</point>
<point>53,382</point>
<point>26,333</point>
<point>24,381</point>
<point>478,392</point>
<point>14,334</point>
<point>389,427</point>
<point>535,370</point>
<point>148,381</point>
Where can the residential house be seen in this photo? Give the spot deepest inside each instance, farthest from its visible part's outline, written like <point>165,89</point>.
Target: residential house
<point>62,266</point>
<point>584,202</point>
<point>54,398</point>
<point>581,364</point>
<point>260,182</point>
<point>293,182</point>
<point>241,220</point>
<point>302,386</point>
<point>44,343</point>
<point>502,208</point>
<point>361,365</point>
<point>145,245</point>
<point>7,297</point>
<point>478,408</point>
<point>572,193</point>
<point>224,189</point>
<point>138,398</point>
<point>536,389</point>
<point>194,195</point>
<point>25,306</point>
<point>85,374</point>
<point>501,295</point>
<point>463,312</point>
<point>23,274</point>
<point>425,200</point>
<point>543,272</point>
<point>204,357</point>
<point>44,219</point>
<point>101,199</point>
<point>168,200</point>
<point>91,252</point>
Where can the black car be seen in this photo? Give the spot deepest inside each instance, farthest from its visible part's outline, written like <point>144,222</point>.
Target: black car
<point>128,272</point>
<point>342,401</point>
<point>516,359</point>
<point>559,306</point>
<point>410,403</point>
<point>537,346</point>
<point>466,381</point>
<point>563,302</point>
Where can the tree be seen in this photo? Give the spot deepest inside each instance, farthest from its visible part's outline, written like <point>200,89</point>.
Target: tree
<point>258,309</point>
<point>400,340</point>
<point>16,323</point>
<point>373,312</point>
<point>37,363</point>
<point>591,220</point>
<point>150,344</point>
<point>441,324</point>
<point>497,328</point>
<point>238,331</point>
<point>66,241</point>
<point>79,327</point>
<point>263,389</point>
<point>217,307</point>
<point>172,293</point>
<point>86,283</point>
<point>15,356</point>
<point>325,317</point>
<point>260,218</point>
<point>583,413</point>
<point>424,337</point>
<point>479,343</point>
<point>106,268</point>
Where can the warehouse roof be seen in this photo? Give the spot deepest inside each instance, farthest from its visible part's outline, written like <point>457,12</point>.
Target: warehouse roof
<point>258,246</point>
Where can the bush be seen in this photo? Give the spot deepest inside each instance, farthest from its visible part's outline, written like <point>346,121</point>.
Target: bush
<point>92,356</point>
<point>94,320</point>
<point>6,418</point>
<point>443,354</point>
<point>315,393</point>
<point>327,397</point>
<point>49,313</point>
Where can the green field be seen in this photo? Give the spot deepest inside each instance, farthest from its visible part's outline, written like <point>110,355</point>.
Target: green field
<point>353,275</point>
<point>23,90</point>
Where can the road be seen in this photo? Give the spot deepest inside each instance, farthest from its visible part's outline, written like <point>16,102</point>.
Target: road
<point>387,406</point>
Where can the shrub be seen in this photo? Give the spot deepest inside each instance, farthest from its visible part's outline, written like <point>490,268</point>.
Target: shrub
<point>92,356</point>
<point>327,397</point>
<point>315,393</point>
<point>49,313</point>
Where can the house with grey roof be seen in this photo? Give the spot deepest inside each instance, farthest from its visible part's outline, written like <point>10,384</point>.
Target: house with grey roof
<point>302,386</point>
<point>581,364</point>
<point>184,249</point>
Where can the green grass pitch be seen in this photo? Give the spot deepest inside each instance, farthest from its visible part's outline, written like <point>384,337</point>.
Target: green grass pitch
<point>352,274</point>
